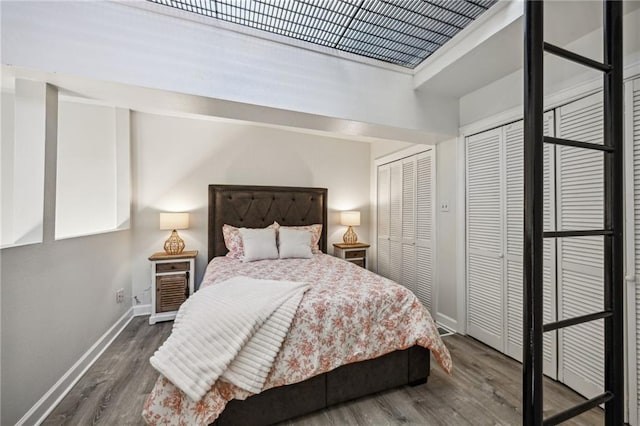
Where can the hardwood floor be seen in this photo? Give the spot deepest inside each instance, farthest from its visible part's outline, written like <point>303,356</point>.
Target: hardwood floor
<point>484,389</point>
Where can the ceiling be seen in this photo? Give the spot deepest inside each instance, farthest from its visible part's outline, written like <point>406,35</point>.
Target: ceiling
<point>404,32</point>
<point>565,22</point>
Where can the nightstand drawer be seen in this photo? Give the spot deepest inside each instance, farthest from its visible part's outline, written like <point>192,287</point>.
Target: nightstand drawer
<point>354,254</point>
<point>359,262</point>
<point>172,267</point>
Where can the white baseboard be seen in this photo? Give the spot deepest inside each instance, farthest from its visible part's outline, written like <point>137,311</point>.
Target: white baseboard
<point>446,322</point>
<point>141,310</point>
<point>45,405</point>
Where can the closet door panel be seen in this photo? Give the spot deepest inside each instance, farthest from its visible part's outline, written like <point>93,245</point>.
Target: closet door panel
<point>580,270</point>
<point>384,211</point>
<point>425,176</point>
<point>633,132</point>
<point>383,257</point>
<point>395,197</point>
<point>514,181</point>
<point>395,224</point>
<point>408,271</point>
<point>484,314</point>
<point>408,221</point>
<point>409,200</point>
<point>424,278</point>
<point>550,349</point>
<point>514,193</point>
<point>485,288</point>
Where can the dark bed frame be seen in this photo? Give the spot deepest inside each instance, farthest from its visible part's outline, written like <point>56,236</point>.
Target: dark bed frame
<point>258,207</point>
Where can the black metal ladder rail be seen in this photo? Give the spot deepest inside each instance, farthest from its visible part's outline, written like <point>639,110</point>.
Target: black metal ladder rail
<point>612,314</point>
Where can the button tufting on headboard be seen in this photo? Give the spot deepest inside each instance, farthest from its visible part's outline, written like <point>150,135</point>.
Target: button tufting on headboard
<point>259,206</point>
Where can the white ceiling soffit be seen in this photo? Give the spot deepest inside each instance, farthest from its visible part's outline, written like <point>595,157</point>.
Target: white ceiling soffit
<point>162,102</point>
<point>492,22</point>
<point>491,47</point>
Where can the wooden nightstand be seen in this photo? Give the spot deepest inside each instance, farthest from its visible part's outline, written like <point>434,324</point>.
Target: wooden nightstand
<point>172,281</point>
<point>354,253</point>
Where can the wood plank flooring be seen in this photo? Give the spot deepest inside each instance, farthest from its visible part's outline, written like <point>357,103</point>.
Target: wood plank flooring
<point>484,389</point>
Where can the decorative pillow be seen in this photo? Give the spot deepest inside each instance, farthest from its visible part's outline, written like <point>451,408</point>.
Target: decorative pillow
<point>295,243</point>
<point>259,244</point>
<point>233,240</point>
<point>316,232</point>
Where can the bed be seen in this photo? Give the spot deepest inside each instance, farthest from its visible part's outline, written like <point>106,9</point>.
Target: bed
<point>290,394</point>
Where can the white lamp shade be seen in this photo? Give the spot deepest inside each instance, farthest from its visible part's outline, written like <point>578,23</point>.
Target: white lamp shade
<point>351,218</point>
<point>174,220</point>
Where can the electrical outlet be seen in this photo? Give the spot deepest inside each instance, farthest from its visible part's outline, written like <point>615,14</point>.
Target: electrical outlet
<point>120,296</point>
<point>444,206</point>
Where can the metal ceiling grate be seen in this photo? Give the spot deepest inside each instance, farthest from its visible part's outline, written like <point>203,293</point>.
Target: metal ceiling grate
<point>402,32</point>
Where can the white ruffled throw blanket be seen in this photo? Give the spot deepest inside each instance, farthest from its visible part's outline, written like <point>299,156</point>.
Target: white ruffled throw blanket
<point>231,330</point>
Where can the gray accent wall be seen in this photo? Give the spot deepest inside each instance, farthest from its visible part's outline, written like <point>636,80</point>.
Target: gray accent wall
<point>58,299</point>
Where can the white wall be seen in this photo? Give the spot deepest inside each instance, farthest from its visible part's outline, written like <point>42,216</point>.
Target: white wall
<point>6,156</point>
<point>58,297</point>
<point>175,159</point>
<point>446,184</point>
<point>22,150</point>
<point>115,42</point>
<point>86,184</point>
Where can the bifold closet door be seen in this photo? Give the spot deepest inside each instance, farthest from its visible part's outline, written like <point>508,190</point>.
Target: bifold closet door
<point>485,281</point>
<point>580,203</point>
<point>384,219</point>
<point>425,213</point>
<point>513,242</point>
<point>632,135</point>
<point>405,224</point>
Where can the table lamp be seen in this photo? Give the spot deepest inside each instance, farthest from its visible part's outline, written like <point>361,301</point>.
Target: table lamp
<point>350,219</point>
<point>174,221</point>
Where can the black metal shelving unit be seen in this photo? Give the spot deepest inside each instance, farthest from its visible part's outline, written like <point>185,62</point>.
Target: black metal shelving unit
<point>612,313</point>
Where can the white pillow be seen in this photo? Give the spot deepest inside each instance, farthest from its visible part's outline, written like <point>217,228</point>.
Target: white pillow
<point>259,244</point>
<point>295,243</point>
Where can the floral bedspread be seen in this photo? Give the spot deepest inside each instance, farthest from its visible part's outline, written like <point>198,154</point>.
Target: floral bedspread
<point>348,315</point>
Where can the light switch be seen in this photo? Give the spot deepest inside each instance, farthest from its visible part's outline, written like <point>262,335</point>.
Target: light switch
<point>444,206</point>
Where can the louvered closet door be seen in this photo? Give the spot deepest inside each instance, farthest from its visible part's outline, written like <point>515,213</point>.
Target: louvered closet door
<point>485,289</point>
<point>408,256</point>
<point>384,212</point>
<point>395,222</point>
<point>633,268</point>
<point>579,180</point>
<point>425,176</point>
<point>514,181</point>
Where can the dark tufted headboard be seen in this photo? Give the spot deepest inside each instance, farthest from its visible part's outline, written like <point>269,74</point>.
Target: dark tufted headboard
<point>260,206</point>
